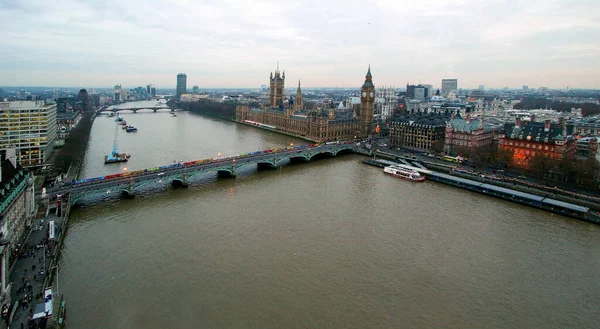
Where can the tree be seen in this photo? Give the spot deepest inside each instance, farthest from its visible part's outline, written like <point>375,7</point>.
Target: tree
<point>483,156</point>
<point>540,166</point>
<point>437,146</point>
<point>503,158</point>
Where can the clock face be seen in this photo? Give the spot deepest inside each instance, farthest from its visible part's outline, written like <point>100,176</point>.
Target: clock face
<point>371,94</point>
<point>364,94</point>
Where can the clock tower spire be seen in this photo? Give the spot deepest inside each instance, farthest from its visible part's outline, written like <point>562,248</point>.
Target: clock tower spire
<point>367,104</point>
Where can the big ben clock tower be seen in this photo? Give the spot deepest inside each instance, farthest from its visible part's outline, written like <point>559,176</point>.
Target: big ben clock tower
<point>367,105</point>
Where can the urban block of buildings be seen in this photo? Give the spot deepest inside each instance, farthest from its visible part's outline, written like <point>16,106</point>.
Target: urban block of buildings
<point>17,208</point>
<point>30,127</point>
<point>526,140</point>
<point>321,124</point>
<point>465,134</point>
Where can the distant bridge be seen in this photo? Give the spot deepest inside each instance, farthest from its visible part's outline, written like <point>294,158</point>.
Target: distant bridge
<point>180,174</point>
<point>135,109</point>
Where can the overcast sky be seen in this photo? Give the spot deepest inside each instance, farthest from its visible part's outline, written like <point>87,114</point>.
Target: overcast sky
<point>327,43</point>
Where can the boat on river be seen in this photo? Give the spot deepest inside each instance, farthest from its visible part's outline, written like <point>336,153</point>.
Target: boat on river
<point>404,173</point>
<point>115,156</point>
<point>131,129</point>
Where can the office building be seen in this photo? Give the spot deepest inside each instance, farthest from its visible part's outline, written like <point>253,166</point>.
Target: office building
<point>30,128</point>
<point>419,131</point>
<point>117,93</point>
<point>195,90</point>
<point>449,85</point>
<point>181,84</point>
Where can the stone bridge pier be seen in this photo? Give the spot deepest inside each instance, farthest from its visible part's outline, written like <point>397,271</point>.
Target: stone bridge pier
<point>183,182</point>
<point>129,192</point>
<point>227,172</point>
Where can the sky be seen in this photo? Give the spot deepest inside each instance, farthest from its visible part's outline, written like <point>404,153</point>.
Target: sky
<point>328,43</point>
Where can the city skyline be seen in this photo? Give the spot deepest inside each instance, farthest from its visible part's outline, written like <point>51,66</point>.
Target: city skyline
<point>234,44</point>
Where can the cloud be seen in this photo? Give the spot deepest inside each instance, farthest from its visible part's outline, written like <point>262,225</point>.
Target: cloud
<point>236,43</point>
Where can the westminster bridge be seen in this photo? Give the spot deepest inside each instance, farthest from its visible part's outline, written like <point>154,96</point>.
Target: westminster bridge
<point>127,184</point>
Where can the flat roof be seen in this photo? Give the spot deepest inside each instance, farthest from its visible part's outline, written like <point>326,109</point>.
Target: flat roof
<point>566,205</point>
<point>513,192</point>
<point>386,162</point>
<point>457,179</point>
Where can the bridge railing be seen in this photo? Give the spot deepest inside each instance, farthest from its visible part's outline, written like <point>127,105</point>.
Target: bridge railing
<point>121,177</point>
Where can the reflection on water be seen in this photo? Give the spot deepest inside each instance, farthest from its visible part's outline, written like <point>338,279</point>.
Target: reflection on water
<point>328,244</point>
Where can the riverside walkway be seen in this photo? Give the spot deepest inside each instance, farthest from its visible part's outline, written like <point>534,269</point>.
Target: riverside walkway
<point>31,272</point>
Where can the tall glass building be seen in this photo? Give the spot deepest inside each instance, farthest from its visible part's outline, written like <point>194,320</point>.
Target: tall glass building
<point>181,84</point>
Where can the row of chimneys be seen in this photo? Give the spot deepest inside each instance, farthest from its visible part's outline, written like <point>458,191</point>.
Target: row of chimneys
<point>547,124</point>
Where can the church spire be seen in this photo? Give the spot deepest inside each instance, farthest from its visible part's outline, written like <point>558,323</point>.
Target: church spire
<point>299,89</point>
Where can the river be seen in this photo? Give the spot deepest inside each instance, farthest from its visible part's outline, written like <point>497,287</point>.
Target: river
<point>329,244</point>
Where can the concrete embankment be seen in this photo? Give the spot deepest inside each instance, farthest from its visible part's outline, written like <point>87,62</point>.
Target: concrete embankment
<point>573,205</point>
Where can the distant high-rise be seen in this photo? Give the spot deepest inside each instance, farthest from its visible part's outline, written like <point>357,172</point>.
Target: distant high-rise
<point>481,87</point>
<point>117,93</point>
<point>181,84</point>
<point>195,90</point>
<point>149,89</point>
<point>525,88</point>
<point>449,85</point>
<point>84,98</point>
<point>153,92</point>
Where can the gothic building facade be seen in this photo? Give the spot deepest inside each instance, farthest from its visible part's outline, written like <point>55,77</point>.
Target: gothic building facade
<point>318,125</point>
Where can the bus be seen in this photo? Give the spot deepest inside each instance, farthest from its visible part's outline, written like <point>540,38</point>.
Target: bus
<point>457,159</point>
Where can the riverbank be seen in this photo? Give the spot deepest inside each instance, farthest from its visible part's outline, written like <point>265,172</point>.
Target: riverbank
<point>509,191</point>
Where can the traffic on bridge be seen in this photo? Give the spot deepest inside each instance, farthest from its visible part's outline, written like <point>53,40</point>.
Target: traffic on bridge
<point>128,181</point>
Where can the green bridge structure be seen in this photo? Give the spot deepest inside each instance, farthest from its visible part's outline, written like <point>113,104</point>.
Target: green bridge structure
<point>180,174</point>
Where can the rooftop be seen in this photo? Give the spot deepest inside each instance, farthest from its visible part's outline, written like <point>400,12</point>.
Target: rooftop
<point>25,105</point>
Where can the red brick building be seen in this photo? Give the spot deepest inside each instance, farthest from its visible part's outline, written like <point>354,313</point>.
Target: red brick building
<point>525,140</point>
<point>465,134</point>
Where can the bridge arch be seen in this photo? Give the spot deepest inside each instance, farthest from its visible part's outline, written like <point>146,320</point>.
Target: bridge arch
<point>344,151</point>
<point>321,154</point>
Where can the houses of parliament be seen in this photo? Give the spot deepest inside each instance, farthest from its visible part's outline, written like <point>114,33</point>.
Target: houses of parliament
<point>317,125</point>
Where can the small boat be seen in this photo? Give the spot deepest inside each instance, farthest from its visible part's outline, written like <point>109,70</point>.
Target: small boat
<point>123,123</point>
<point>111,114</point>
<point>131,129</point>
<point>405,173</point>
<point>173,115</point>
<point>115,156</point>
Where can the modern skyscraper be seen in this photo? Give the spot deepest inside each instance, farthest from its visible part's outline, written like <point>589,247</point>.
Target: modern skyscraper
<point>195,90</point>
<point>181,84</point>
<point>449,85</point>
<point>117,93</point>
